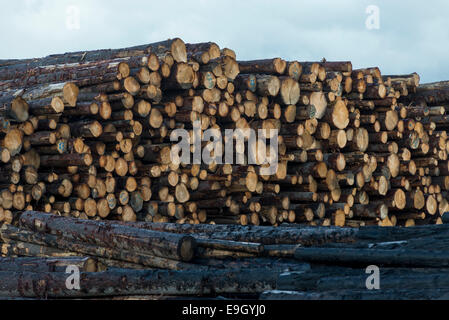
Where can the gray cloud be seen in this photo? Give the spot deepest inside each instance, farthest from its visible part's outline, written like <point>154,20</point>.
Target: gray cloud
<point>413,36</point>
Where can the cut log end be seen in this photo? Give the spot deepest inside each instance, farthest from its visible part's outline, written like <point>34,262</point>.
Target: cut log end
<point>178,50</point>
<point>70,93</point>
<point>19,109</point>
<point>187,248</point>
<point>340,115</point>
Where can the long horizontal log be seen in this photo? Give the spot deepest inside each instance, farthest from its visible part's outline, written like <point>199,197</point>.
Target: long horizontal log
<point>82,74</point>
<point>341,66</point>
<point>378,234</point>
<point>165,245</point>
<point>230,245</point>
<point>398,257</point>
<point>328,278</point>
<point>135,282</point>
<point>274,66</point>
<point>394,294</point>
<point>68,91</point>
<point>175,46</point>
<point>27,249</point>
<point>47,243</point>
<point>206,253</point>
<point>33,264</point>
<point>256,234</point>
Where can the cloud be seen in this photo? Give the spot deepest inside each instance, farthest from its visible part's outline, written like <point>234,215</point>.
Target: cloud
<point>412,36</point>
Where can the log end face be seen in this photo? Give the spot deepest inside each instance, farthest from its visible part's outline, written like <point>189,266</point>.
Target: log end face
<point>318,100</point>
<point>70,94</point>
<point>19,109</point>
<point>178,50</point>
<point>131,85</point>
<point>231,68</point>
<point>280,65</point>
<point>5,155</point>
<point>383,211</point>
<point>274,85</point>
<point>340,115</point>
<point>185,76</point>
<point>187,248</point>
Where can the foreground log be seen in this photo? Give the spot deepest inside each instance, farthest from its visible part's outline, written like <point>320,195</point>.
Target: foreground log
<point>32,264</point>
<point>17,247</point>
<point>376,234</point>
<point>256,234</point>
<point>397,257</point>
<point>330,278</point>
<point>165,245</point>
<point>395,294</point>
<point>136,282</point>
<point>205,242</point>
<point>50,243</point>
<point>230,245</point>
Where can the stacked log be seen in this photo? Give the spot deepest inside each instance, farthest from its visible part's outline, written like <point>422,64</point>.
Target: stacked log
<point>89,135</point>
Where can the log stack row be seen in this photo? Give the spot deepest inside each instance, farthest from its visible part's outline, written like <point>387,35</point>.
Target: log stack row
<point>88,135</point>
<point>128,259</point>
<point>142,260</point>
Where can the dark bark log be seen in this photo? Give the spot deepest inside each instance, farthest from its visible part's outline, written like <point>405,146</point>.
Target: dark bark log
<point>135,282</point>
<point>256,234</point>
<point>230,245</point>
<point>326,278</point>
<point>274,66</point>
<point>165,245</point>
<point>21,248</point>
<point>341,66</point>
<point>50,242</point>
<point>396,294</point>
<point>33,264</point>
<point>397,257</point>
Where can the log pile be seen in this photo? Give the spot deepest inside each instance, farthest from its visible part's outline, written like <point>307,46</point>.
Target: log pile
<point>87,135</point>
<point>412,265</point>
<point>141,260</point>
<point>136,259</point>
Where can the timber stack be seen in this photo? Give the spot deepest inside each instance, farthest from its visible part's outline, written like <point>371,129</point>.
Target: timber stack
<point>152,261</point>
<point>87,135</point>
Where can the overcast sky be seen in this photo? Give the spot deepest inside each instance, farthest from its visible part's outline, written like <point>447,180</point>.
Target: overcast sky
<point>412,35</point>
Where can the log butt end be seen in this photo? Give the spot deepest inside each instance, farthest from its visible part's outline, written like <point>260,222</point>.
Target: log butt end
<point>187,248</point>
